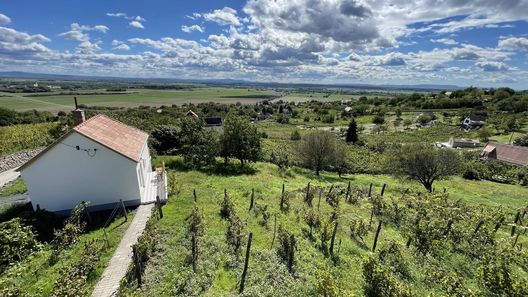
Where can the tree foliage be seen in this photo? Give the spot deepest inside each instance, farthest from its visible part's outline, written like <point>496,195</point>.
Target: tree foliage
<point>352,133</point>
<point>424,164</point>
<point>317,150</point>
<point>241,140</point>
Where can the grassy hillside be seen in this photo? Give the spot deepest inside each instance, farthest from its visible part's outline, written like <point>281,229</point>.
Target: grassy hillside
<point>169,272</point>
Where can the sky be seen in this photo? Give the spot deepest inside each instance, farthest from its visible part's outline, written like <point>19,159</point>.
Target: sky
<point>465,43</point>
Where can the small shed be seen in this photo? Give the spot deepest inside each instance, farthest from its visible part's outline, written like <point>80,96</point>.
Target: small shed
<point>462,142</point>
<point>508,153</point>
<point>101,161</point>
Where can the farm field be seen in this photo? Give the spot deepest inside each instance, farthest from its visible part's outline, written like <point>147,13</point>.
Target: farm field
<point>169,273</point>
<point>134,97</point>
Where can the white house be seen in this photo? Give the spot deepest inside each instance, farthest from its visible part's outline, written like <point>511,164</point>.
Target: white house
<point>474,121</point>
<point>101,161</point>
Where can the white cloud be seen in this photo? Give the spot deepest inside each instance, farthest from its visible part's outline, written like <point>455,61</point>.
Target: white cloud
<point>78,32</point>
<point>193,28</point>
<point>120,45</point>
<point>492,66</point>
<point>446,41</point>
<point>135,21</point>
<point>224,16</point>
<point>117,14</point>
<point>4,19</point>
<point>514,43</point>
<point>136,24</point>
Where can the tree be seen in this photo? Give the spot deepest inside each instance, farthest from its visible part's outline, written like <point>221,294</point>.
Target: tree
<point>351,135</point>
<point>199,146</point>
<point>340,162</point>
<point>378,119</point>
<point>165,139</point>
<point>317,150</point>
<point>407,123</point>
<point>484,134</point>
<point>241,140</point>
<point>8,117</point>
<point>424,164</point>
<point>398,113</point>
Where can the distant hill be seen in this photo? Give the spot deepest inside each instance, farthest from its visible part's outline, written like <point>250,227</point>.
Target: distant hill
<point>228,82</point>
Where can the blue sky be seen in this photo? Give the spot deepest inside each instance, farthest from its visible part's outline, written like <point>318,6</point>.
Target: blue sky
<point>481,42</point>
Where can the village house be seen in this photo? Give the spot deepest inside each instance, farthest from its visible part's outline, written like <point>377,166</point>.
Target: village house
<point>461,143</point>
<point>508,153</point>
<point>474,121</point>
<point>100,161</point>
<point>213,121</point>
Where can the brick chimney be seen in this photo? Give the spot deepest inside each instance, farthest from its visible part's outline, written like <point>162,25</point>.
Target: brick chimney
<point>77,114</point>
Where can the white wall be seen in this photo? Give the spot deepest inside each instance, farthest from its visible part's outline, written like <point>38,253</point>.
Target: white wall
<point>147,167</point>
<point>63,176</point>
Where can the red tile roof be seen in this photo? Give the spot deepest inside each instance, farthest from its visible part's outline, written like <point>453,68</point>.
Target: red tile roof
<point>123,139</point>
<point>508,153</point>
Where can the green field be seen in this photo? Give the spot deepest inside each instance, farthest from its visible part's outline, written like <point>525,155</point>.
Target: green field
<point>168,272</point>
<point>134,97</point>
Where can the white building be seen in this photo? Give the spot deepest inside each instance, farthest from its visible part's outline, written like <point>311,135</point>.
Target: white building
<point>474,121</point>
<point>101,161</point>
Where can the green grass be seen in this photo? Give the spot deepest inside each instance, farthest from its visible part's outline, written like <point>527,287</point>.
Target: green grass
<point>136,97</point>
<point>16,187</point>
<point>36,277</point>
<point>168,271</point>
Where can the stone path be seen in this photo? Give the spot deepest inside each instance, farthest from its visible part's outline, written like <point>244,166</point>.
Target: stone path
<point>109,282</point>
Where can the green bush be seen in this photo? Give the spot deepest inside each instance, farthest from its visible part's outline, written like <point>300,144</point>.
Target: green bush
<point>16,242</point>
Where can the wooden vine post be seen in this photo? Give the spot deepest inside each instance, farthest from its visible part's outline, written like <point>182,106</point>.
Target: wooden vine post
<point>274,230</point>
<point>383,189</point>
<point>158,203</point>
<point>376,237</point>
<point>333,239</point>
<point>282,198</point>
<point>252,200</point>
<point>123,209</point>
<point>194,196</point>
<point>246,263</point>
<point>370,191</point>
<point>194,248</point>
<point>291,254</point>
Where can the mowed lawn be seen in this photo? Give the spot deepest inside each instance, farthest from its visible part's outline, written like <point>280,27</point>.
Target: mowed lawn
<point>135,97</point>
<point>168,272</point>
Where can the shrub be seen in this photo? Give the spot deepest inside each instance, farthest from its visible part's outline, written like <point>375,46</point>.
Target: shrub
<point>379,280</point>
<point>234,233</point>
<point>295,135</point>
<point>16,242</point>
<point>227,207</point>
<point>329,118</point>
<point>73,278</point>
<point>327,285</point>
<point>286,248</point>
